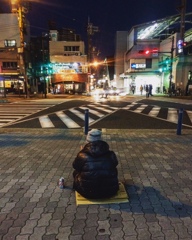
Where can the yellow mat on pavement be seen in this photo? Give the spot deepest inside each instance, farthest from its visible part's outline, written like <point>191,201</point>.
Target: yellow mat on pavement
<point>120,197</point>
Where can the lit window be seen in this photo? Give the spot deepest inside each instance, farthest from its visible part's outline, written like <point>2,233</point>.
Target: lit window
<point>10,43</point>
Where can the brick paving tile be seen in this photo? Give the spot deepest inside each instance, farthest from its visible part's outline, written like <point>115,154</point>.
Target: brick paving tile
<point>155,167</point>
<point>91,220</point>
<point>68,219</point>
<point>78,227</point>
<point>22,237</point>
<point>116,233</point>
<point>29,226</point>
<point>90,233</point>
<point>64,233</point>
<point>5,225</point>
<point>21,220</point>
<point>12,233</point>
<point>53,227</point>
<point>49,237</point>
<point>44,220</point>
<point>103,227</point>
<point>103,237</point>
<point>38,233</point>
<point>115,220</point>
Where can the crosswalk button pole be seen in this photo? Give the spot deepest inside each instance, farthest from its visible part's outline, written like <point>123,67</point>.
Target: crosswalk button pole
<point>86,121</point>
<point>180,119</point>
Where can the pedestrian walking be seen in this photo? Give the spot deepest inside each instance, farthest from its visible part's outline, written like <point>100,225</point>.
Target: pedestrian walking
<point>133,89</point>
<point>147,91</point>
<point>150,89</point>
<point>141,89</point>
<point>95,169</point>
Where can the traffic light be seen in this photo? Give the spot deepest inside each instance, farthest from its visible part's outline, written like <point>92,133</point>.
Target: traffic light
<point>180,45</point>
<point>144,52</point>
<point>153,51</point>
<point>165,65</point>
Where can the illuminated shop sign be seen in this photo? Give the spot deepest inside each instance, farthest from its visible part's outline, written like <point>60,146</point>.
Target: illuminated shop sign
<point>67,68</point>
<point>138,65</point>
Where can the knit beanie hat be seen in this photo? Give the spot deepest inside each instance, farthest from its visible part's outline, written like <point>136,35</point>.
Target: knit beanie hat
<point>94,135</point>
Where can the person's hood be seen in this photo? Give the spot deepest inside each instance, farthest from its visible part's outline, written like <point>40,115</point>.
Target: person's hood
<point>96,148</point>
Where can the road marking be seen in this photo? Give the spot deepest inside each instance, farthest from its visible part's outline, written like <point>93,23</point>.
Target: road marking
<point>45,122</point>
<point>154,111</point>
<point>80,114</point>
<point>66,120</point>
<point>172,115</point>
<point>140,109</point>
<point>129,106</point>
<point>190,115</point>
<point>6,120</point>
<point>100,108</point>
<point>93,112</point>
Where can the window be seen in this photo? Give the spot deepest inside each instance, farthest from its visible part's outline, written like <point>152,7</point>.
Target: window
<point>71,48</point>
<point>149,63</point>
<point>9,65</point>
<point>10,43</point>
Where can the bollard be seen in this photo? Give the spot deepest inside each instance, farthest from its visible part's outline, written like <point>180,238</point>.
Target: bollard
<point>180,119</point>
<point>86,121</point>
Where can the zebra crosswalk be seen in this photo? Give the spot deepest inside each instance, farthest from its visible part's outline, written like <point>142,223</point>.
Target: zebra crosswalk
<point>96,112</point>
<point>169,114</point>
<point>13,112</point>
<point>75,117</point>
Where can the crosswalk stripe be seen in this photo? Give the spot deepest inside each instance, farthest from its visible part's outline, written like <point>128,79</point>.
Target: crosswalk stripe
<point>129,106</point>
<point>190,115</point>
<point>19,110</point>
<point>45,122</point>
<point>10,117</point>
<point>13,114</point>
<point>6,120</point>
<point>105,105</point>
<point>80,115</point>
<point>172,115</point>
<point>140,109</point>
<point>66,120</point>
<point>154,111</point>
<point>101,108</point>
<point>93,112</point>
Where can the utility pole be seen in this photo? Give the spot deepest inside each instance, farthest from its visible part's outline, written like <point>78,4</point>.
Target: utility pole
<point>18,8</point>
<point>91,30</point>
<point>182,27</point>
<point>171,66</point>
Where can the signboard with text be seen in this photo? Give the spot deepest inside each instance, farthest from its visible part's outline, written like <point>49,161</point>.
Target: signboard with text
<point>138,65</point>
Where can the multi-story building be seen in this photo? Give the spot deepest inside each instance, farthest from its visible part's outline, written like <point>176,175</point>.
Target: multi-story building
<point>14,44</point>
<point>69,62</point>
<point>155,54</point>
<point>9,53</point>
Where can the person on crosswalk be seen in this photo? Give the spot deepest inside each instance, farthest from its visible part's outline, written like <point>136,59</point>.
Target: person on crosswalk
<point>95,169</point>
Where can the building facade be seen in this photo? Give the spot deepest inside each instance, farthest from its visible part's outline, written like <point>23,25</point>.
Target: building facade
<point>69,64</point>
<point>156,56</point>
<point>12,59</point>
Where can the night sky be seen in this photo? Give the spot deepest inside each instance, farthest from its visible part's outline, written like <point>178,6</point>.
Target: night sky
<point>109,15</point>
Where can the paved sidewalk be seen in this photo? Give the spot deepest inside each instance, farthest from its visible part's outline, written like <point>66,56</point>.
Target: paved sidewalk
<point>155,167</point>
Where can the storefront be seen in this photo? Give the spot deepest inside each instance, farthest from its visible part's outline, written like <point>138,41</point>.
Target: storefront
<point>69,83</point>
<point>12,84</point>
<point>137,79</point>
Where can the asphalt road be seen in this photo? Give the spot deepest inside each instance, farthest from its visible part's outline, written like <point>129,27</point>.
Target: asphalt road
<point>114,113</point>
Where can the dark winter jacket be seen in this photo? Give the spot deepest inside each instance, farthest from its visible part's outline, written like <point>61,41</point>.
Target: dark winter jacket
<point>95,174</point>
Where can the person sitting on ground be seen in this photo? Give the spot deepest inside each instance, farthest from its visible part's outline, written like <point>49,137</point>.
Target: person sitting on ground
<point>95,169</point>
